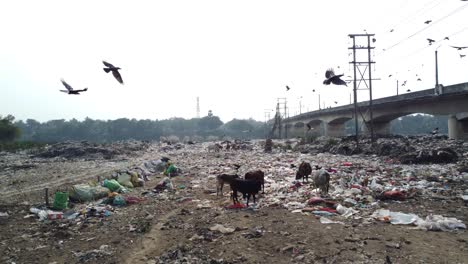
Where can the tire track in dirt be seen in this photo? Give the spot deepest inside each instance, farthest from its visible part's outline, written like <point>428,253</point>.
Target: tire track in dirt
<point>153,243</point>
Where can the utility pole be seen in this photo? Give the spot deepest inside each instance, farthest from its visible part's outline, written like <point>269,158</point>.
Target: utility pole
<point>198,107</point>
<point>357,67</point>
<point>396,87</point>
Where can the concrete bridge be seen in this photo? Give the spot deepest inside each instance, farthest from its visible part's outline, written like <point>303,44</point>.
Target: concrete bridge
<point>451,100</point>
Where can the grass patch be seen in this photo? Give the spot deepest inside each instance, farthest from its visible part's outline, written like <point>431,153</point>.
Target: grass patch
<point>20,145</point>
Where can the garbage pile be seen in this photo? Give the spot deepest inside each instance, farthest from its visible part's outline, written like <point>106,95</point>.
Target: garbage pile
<point>409,150</point>
<point>359,187</point>
<point>89,150</point>
<point>98,199</point>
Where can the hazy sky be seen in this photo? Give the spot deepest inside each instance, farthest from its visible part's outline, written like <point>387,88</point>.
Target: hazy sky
<point>237,56</point>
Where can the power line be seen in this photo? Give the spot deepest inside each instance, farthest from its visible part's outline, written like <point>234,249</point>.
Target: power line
<point>430,25</point>
<point>414,15</point>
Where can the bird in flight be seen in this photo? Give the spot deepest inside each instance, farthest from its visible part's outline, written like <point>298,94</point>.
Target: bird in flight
<point>336,102</point>
<point>459,48</point>
<point>287,88</point>
<point>462,55</point>
<point>391,30</point>
<point>70,89</point>
<point>390,76</point>
<point>427,21</point>
<point>408,90</point>
<point>446,38</point>
<point>313,90</point>
<point>419,79</point>
<point>332,78</point>
<point>404,83</point>
<point>309,127</point>
<point>430,41</point>
<point>114,70</point>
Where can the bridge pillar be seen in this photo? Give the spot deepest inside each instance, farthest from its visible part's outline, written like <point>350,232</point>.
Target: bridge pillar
<point>380,128</point>
<point>457,129</point>
<point>335,130</point>
<point>297,131</point>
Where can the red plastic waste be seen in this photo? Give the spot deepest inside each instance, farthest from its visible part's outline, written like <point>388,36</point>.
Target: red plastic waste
<point>347,164</point>
<point>315,200</point>
<point>236,206</point>
<point>394,195</point>
<point>133,199</point>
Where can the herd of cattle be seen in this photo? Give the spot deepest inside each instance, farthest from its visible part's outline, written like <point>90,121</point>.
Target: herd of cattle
<point>254,181</point>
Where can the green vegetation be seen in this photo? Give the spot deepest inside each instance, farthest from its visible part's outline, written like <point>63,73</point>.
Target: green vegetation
<point>20,145</point>
<point>123,128</point>
<point>8,131</point>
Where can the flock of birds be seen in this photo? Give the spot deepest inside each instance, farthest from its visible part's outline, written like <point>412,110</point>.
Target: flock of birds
<point>109,68</point>
<point>332,78</point>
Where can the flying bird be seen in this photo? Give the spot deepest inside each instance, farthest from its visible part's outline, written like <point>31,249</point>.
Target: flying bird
<point>332,78</point>
<point>391,30</point>
<point>459,48</point>
<point>336,102</point>
<point>114,70</point>
<point>287,88</point>
<point>313,90</point>
<point>408,90</point>
<point>404,83</point>
<point>309,127</point>
<point>430,41</point>
<point>390,75</point>
<point>70,89</point>
<point>446,38</point>
<point>419,79</point>
<point>427,21</point>
<point>462,55</point>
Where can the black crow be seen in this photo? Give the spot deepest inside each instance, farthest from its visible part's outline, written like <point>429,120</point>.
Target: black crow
<point>427,21</point>
<point>70,89</point>
<point>332,78</point>
<point>430,41</point>
<point>408,90</point>
<point>459,48</point>
<point>462,55</point>
<point>115,71</point>
<point>287,88</point>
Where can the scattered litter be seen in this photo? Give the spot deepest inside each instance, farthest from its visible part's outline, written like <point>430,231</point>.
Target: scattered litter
<point>222,229</point>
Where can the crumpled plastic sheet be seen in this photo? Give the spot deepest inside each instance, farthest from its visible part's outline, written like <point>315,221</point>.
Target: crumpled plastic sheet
<point>431,223</point>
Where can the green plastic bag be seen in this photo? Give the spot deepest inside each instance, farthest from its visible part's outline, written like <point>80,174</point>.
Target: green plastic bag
<point>171,170</point>
<point>119,200</point>
<point>112,185</point>
<point>61,200</point>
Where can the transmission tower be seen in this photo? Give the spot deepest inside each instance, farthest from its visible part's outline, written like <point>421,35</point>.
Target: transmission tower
<point>361,66</point>
<point>198,107</point>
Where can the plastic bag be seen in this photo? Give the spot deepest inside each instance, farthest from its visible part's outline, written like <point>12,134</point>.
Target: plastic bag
<point>113,185</point>
<point>86,193</point>
<point>125,180</point>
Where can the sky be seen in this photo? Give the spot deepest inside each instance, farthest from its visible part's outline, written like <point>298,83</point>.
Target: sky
<point>236,56</point>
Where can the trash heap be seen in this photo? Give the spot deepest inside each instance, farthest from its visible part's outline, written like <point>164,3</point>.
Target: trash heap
<point>359,189</point>
<point>89,150</point>
<point>99,199</point>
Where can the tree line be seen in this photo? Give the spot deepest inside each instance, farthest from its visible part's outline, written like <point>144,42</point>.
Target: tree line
<point>194,128</point>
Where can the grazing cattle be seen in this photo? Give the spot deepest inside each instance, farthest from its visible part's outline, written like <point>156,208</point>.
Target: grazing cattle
<point>322,180</point>
<point>224,178</point>
<point>258,176</point>
<point>247,188</point>
<point>214,147</point>
<point>304,171</point>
